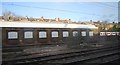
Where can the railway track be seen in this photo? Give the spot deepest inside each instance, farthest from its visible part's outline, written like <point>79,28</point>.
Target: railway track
<point>66,57</point>
<point>79,57</point>
<point>84,58</point>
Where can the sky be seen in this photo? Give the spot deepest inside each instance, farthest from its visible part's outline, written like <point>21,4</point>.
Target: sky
<point>76,11</point>
<point>59,0</point>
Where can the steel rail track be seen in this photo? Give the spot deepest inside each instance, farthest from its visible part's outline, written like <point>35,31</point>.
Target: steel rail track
<point>58,57</point>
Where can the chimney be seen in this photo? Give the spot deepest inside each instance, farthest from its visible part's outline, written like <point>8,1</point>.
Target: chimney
<point>58,19</point>
<point>42,18</point>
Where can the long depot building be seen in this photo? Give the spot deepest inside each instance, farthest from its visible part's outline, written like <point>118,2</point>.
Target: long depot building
<point>36,33</point>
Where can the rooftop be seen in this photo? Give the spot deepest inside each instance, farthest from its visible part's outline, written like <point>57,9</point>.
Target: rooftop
<point>44,25</point>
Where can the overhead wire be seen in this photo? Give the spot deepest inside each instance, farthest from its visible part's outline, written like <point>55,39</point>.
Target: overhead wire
<point>55,9</point>
<point>68,11</point>
<point>104,4</point>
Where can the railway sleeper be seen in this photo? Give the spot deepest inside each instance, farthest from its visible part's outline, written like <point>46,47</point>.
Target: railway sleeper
<point>57,57</point>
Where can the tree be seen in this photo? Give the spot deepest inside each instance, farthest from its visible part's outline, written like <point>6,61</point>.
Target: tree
<point>115,29</point>
<point>8,15</point>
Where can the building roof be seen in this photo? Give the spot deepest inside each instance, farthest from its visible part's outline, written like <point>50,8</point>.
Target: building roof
<point>44,25</point>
